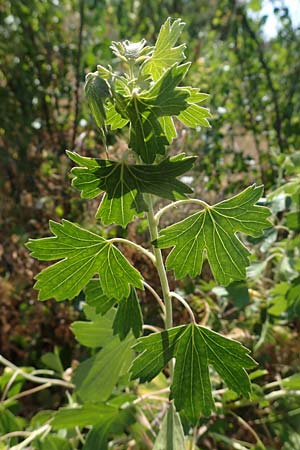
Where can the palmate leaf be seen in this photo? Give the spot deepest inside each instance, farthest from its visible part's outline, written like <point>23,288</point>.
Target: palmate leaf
<point>194,348</point>
<point>213,230</point>
<point>165,54</point>
<point>124,184</point>
<point>83,254</point>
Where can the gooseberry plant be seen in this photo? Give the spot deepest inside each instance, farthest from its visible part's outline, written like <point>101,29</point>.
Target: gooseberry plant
<point>149,97</point>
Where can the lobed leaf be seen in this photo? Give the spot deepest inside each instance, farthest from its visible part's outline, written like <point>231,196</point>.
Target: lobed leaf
<point>83,254</point>
<point>124,184</point>
<point>165,54</point>
<point>195,348</point>
<point>95,297</point>
<point>213,230</point>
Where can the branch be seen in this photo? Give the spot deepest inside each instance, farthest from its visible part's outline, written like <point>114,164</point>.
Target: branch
<point>27,392</point>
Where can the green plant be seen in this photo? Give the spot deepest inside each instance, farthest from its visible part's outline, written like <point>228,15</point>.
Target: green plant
<point>146,96</point>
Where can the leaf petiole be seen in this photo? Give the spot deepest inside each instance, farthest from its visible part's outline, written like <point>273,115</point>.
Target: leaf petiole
<point>185,304</point>
<point>180,202</point>
<point>136,246</point>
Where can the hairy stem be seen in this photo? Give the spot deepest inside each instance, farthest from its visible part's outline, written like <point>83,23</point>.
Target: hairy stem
<point>160,268</point>
<point>160,265</point>
<point>156,296</point>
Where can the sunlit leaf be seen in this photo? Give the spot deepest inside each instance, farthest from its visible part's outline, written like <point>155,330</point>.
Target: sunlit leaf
<point>83,254</point>
<point>213,230</point>
<point>165,54</point>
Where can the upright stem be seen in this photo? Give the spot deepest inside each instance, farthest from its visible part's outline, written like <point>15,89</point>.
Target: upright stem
<point>160,265</point>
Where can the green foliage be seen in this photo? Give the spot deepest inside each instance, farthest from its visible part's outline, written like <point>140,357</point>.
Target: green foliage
<point>128,317</point>
<point>164,53</point>
<point>124,184</point>
<point>171,435</point>
<point>145,92</point>
<point>84,254</point>
<point>213,230</point>
<point>194,348</point>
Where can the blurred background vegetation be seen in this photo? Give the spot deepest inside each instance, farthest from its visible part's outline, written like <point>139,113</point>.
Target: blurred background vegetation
<point>249,62</point>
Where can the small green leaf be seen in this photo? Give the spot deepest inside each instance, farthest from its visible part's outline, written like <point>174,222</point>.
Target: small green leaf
<point>170,436</point>
<point>213,230</point>
<point>194,348</point>
<point>292,382</point>
<point>113,118</point>
<point>53,361</point>
<point>82,416</point>
<point>96,333</point>
<point>84,253</point>
<point>97,90</point>
<point>96,377</point>
<point>128,317</point>
<point>165,54</point>
<point>195,115</point>
<point>95,297</point>
<point>124,184</point>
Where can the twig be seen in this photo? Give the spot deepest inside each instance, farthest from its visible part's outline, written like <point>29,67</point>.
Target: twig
<point>34,379</point>
<point>27,392</point>
<point>44,429</point>
<point>151,328</point>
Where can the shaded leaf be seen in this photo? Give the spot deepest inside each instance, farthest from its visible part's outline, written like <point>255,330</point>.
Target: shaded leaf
<point>194,348</point>
<point>124,184</point>
<point>96,377</point>
<point>95,297</point>
<point>128,317</point>
<point>95,333</point>
<point>82,416</point>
